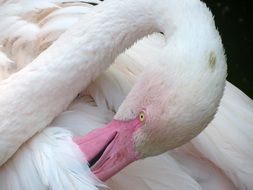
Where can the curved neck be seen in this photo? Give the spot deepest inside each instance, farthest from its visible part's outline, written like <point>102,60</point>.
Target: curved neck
<point>31,98</point>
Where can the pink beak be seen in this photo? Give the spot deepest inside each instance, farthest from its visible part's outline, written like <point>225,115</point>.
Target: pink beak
<point>111,148</point>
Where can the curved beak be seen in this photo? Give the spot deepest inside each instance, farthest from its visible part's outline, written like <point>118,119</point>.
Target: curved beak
<point>111,148</point>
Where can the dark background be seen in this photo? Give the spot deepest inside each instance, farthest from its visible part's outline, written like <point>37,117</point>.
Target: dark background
<point>234,22</point>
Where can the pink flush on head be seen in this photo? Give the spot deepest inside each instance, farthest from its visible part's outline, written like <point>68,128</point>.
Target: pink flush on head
<point>112,147</point>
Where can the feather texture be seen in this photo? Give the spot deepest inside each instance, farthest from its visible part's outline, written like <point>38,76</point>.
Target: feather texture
<point>227,142</point>
<point>29,27</point>
<point>50,160</point>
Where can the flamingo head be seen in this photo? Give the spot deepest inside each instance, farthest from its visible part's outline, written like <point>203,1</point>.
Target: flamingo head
<point>161,112</point>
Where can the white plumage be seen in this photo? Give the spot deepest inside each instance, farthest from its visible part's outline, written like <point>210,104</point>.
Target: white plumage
<point>223,149</point>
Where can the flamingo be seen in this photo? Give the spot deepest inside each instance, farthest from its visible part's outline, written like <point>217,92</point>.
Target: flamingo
<point>181,155</point>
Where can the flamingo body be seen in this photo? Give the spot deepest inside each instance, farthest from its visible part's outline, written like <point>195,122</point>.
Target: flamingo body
<point>42,155</point>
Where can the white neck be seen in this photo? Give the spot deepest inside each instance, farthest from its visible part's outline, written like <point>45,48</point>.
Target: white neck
<point>31,98</point>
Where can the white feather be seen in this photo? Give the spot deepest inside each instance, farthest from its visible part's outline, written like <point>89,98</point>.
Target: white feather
<point>29,27</point>
<point>50,160</point>
<point>6,66</point>
<point>227,141</point>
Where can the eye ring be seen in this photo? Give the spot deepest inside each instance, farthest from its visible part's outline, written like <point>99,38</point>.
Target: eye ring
<point>142,116</point>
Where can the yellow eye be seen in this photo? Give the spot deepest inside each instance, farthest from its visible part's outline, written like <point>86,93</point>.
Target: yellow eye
<point>142,116</point>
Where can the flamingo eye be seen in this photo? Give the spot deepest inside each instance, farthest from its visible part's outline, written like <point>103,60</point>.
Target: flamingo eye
<point>142,116</point>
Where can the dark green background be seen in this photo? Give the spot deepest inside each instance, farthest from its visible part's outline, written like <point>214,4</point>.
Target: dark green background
<point>234,21</point>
